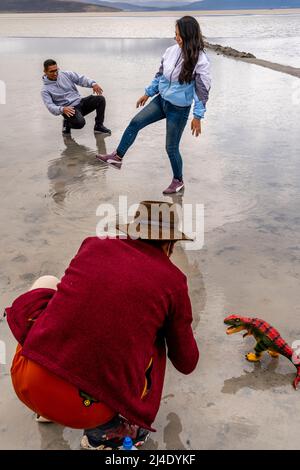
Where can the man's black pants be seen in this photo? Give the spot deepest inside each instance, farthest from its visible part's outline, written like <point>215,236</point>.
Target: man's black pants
<point>86,106</point>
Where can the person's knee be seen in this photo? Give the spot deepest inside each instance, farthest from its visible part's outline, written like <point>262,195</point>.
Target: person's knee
<point>48,282</point>
<point>172,150</point>
<point>100,100</point>
<point>79,124</point>
<point>134,125</point>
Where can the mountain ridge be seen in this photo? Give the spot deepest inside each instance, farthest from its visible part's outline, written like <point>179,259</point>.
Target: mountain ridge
<point>151,5</point>
<point>68,6</point>
<point>53,6</point>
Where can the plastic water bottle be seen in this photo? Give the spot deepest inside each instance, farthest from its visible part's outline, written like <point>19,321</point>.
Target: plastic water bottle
<point>128,444</point>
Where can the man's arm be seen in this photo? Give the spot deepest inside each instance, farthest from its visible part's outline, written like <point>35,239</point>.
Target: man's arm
<point>80,80</point>
<point>182,347</point>
<point>48,101</point>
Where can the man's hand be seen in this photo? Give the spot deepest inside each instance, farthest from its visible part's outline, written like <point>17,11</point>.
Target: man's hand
<point>97,89</point>
<point>142,101</point>
<point>69,111</point>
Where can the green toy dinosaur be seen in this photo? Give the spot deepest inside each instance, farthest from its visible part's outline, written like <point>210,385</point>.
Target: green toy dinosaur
<point>267,339</point>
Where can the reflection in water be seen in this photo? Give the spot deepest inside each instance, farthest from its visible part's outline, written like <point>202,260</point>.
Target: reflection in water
<point>172,431</point>
<point>259,379</point>
<point>188,262</point>
<point>77,162</point>
<point>52,437</point>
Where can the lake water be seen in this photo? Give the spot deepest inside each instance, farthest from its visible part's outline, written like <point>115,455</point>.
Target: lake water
<point>271,37</point>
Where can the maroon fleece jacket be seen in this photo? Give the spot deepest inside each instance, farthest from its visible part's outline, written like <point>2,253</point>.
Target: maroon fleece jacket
<point>118,304</point>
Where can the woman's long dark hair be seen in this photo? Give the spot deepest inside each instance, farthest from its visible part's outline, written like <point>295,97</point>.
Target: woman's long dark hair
<point>193,44</point>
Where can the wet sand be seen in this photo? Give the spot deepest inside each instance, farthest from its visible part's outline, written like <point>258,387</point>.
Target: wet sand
<point>244,169</point>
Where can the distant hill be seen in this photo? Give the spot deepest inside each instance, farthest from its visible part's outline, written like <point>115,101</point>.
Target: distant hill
<point>51,6</point>
<point>150,5</point>
<point>124,6</point>
<point>239,5</point>
<point>135,5</point>
<point>68,6</point>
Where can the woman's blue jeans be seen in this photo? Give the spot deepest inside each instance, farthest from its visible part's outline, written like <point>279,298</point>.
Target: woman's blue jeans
<point>157,110</point>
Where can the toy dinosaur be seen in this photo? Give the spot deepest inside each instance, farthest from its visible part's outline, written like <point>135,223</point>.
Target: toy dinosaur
<point>267,339</point>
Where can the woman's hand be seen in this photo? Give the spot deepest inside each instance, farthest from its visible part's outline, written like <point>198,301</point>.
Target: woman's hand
<point>196,127</point>
<point>142,101</point>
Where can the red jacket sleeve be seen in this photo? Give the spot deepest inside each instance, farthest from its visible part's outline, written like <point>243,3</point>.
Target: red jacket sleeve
<point>182,347</point>
<point>26,309</point>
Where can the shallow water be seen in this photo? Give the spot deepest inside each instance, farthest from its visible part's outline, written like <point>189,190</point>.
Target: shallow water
<point>272,37</point>
<point>245,170</point>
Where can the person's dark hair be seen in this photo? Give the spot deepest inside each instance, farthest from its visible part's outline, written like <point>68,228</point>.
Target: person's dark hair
<point>193,44</point>
<point>48,63</point>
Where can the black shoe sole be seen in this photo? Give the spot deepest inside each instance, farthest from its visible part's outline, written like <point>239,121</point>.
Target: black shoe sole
<point>103,133</point>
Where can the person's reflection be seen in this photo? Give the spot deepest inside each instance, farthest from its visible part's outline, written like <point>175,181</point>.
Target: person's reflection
<point>52,437</point>
<point>76,163</point>
<point>177,198</point>
<point>189,263</point>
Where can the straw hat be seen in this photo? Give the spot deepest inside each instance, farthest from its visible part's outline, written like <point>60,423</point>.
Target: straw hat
<point>155,220</point>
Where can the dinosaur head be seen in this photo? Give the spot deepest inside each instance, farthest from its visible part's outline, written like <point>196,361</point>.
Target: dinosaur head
<point>235,323</point>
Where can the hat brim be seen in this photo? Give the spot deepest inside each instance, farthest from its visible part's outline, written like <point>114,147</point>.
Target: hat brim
<point>157,233</point>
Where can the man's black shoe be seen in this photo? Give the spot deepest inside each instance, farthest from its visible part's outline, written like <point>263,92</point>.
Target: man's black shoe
<point>102,130</point>
<point>66,130</point>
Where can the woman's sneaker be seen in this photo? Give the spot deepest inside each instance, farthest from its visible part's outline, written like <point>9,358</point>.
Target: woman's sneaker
<point>175,187</point>
<point>111,435</point>
<point>112,159</point>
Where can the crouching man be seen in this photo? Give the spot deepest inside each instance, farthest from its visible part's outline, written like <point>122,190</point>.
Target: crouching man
<point>92,347</point>
<point>61,97</point>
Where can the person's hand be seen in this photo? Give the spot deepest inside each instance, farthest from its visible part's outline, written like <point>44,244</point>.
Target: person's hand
<point>97,89</point>
<point>142,101</point>
<point>69,111</point>
<point>196,127</point>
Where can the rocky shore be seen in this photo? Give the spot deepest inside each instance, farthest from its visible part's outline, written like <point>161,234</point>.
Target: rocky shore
<point>248,57</point>
<point>228,51</point>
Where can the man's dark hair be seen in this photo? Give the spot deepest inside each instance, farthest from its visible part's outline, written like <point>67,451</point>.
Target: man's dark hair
<point>48,63</point>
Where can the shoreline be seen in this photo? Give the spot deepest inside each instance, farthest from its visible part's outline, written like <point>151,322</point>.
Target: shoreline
<point>283,11</point>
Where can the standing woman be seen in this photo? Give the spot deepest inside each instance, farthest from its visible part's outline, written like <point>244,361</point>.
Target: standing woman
<point>183,76</point>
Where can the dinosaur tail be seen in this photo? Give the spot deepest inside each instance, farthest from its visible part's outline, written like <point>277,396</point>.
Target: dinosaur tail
<point>297,378</point>
<point>294,357</point>
<point>293,354</point>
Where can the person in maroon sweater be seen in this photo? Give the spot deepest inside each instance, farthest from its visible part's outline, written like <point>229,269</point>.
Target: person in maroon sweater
<point>92,347</point>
